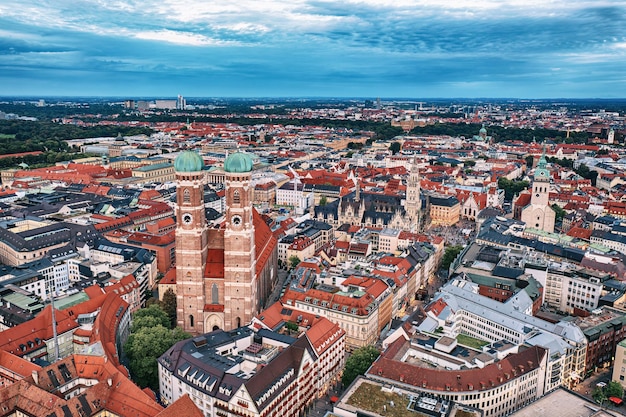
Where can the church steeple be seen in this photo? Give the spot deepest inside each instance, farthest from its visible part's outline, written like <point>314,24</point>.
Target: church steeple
<point>538,214</point>
<point>191,242</point>
<point>413,202</point>
<point>241,290</point>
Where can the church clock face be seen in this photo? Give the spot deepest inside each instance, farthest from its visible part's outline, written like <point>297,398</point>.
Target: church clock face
<point>187,218</point>
<point>236,220</point>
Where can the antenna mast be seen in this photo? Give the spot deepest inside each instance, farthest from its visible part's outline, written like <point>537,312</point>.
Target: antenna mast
<point>54,329</point>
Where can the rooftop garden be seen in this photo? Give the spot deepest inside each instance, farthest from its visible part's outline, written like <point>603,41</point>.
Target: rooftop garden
<point>470,341</point>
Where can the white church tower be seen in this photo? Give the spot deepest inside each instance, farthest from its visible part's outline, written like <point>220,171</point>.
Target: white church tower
<point>538,214</point>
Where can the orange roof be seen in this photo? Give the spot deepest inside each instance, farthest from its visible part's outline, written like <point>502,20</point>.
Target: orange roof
<point>322,332</point>
<point>437,307</point>
<point>273,317</point>
<point>150,194</point>
<point>106,325</point>
<point>94,291</point>
<point>183,406</point>
<point>123,286</point>
<point>359,303</point>
<point>169,277</point>
<point>19,155</point>
<point>214,263</point>
<point>523,200</point>
<point>390,367</point>
<point>15,364</point>
<point>16,339</point>
<point>264,241</point>
<point>580,233</point>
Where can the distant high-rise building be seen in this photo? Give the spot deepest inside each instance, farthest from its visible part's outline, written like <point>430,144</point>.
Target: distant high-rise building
<point>143,105</point>
<point>166,104</point>
<point>129,104</point>
<point>181,103</point>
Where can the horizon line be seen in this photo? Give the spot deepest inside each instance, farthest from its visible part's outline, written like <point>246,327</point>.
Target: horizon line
<point>131,97</point>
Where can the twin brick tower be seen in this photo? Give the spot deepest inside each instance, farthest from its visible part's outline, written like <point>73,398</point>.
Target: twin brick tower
<point>224,272</point>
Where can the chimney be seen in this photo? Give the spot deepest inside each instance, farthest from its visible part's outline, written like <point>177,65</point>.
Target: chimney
<point>109,381</point>
<point>35,377</point>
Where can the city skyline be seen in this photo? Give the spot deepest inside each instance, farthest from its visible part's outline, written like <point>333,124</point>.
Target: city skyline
<point>309,48</point>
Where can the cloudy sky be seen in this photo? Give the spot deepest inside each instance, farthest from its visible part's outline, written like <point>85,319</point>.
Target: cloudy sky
<point>314,48</point>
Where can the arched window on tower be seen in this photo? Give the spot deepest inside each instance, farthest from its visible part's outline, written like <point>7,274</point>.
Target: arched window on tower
<point>186,197</point>
<point>215,299</point>
<point>238,321</point>
<point>236,197</point>
<point>190,320</point>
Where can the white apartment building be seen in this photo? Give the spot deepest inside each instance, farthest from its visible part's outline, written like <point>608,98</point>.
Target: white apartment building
<point>460,309</point>
<point>296,195</point>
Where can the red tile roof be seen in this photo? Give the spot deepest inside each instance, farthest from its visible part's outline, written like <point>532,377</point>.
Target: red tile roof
<point>16,365</point>
<point>436,307</point>
<point>15,339</point>
<point>476,379</point>
<point>169,277</point>
<point>214,264</point>
<point>580,233</point>
<point>323,333</point>
<point>264,241</point>
<point>182,407</point>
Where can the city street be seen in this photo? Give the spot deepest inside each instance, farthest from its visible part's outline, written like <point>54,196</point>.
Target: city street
<point>321,406</point>
<point>587,386</point>
<point>282,276</point>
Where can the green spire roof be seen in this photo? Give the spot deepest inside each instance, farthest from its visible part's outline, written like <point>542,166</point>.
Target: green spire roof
<point>238,162</point>
<point>188,161</point>
<point>541,172</point>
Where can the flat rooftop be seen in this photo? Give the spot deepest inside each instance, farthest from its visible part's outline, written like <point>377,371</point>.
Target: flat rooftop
<point>564,403</point>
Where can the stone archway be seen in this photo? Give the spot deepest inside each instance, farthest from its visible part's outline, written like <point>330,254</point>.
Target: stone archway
<point>213,322</point>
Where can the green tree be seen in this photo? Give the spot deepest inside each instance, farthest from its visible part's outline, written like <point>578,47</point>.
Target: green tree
<point>323,201</point>
<point>560,213</point>
<point>395,147</point>
<point>291,326</point>
<point>584,171</point>
<point>384,131</point>
<point>143,348</point>
<point>614,389</point>
<point>168,305</point>
<point>150,317</point>
<point>469,163</point>
<point>358,363</point>
<point>530,160</point>
<point>293,261</point>
<point>450,255</point>
<point>511,187</point>
<point>598,395</point>
<point>564,162</point>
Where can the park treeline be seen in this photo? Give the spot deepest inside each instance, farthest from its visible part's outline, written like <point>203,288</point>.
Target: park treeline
<point>17,136</point>
<point>502,134</point>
